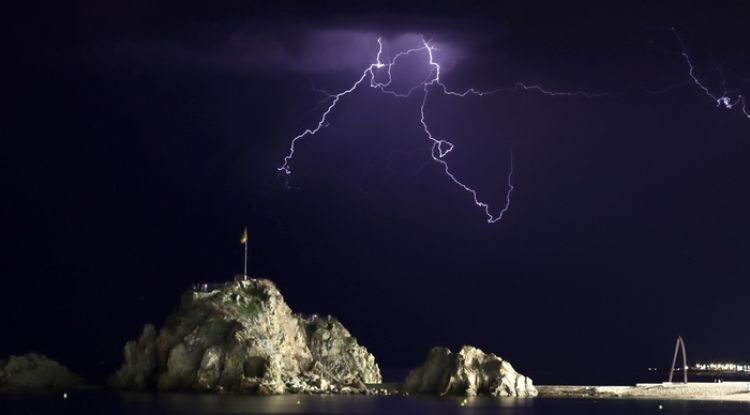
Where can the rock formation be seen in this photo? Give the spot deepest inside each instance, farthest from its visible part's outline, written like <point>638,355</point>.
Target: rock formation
<point>140,362</point>
<point>242,337</point>
<point>35,372</point>
<point>470,372</point>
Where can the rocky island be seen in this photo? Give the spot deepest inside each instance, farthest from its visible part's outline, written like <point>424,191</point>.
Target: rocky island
<point>35,372</point>
<point>470,372</point>
<point>242,337</point>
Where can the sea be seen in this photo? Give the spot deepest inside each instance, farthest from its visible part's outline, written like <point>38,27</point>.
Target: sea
<point>112,403</point>
<point>108,402</point>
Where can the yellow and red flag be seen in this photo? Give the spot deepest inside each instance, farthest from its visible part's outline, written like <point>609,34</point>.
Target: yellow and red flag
<point>243,240</point>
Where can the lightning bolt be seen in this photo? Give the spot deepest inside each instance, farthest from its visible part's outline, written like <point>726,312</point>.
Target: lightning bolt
<point>724,99</point>
<point>441,148</point>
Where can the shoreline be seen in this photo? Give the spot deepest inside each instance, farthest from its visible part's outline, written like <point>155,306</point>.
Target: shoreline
<point>697,391</point>
<point>725,391</point>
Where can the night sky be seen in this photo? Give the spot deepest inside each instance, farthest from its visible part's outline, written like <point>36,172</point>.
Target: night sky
<point>139,139</point>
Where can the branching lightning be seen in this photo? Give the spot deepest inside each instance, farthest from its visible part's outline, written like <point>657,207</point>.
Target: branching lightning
<point>724,100</point>
<point>440,147</point>
<point>432,84</point>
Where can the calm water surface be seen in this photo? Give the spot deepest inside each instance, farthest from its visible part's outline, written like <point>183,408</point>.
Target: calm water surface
<point>168,404</point>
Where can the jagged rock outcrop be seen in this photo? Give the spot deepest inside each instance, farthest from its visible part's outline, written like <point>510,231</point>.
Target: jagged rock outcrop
<point>140,362</point>
<point>242,337</point>
<point>470,372</point>
<point>35,372</point>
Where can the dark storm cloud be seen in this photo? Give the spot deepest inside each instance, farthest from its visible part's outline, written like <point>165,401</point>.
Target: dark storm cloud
<point>321,50</point>
<point>314,51</point>
<point>298,47</point>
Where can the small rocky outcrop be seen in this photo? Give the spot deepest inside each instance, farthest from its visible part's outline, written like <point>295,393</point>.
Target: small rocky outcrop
<point>470,372</point>
<point>242,337</point>
<point>35,372</point>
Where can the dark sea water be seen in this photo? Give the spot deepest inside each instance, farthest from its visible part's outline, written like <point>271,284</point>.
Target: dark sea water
<point>101,403</point>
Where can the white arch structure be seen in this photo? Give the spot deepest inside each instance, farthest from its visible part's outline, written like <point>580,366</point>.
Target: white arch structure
<point>680,344</point>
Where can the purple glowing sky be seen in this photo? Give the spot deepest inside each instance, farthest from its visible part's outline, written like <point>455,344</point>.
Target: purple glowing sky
<point>418,61</point>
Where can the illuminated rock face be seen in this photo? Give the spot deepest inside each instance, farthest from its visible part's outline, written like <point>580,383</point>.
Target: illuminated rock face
<point>34,372</point>
<point>242,337</point>
<point>470,372</point>
<point>140,362</point>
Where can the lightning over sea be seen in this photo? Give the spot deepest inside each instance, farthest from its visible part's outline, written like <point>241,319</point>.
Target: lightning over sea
<point>441,148</point>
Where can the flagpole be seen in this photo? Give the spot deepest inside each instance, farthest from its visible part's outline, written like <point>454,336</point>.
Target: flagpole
<point>245,274</point>
<point>244,241</point>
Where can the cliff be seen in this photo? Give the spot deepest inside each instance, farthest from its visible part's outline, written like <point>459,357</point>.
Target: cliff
<point>242,337</point>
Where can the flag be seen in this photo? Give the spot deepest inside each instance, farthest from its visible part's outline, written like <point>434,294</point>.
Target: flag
<point>243,240</point>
